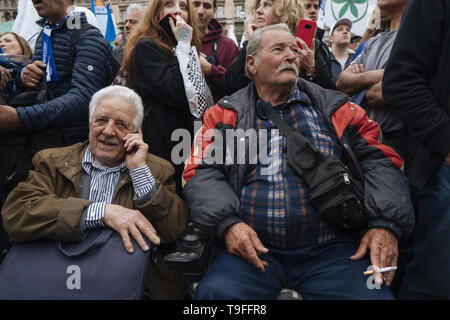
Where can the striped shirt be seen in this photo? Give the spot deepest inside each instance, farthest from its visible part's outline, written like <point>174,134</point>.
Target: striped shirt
<point>104,181</point>
<point>276,205</point>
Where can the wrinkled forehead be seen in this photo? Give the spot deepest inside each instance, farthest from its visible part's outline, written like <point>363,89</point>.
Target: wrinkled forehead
<point>273,37</point>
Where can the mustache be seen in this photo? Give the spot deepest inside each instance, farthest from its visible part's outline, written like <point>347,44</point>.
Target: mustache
<point>287,66</point>
<point>37,1</point>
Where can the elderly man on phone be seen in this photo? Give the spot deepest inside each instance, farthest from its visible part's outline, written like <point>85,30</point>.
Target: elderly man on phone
<point>131,191</point>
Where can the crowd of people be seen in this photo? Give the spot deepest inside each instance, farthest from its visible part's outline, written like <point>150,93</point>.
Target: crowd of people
<point>379,104</point>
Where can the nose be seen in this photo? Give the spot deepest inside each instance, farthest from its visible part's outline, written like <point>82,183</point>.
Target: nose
<point>259,11</point>
<point>177,10</point>
<point>109,129</point>
<point>291,55</point>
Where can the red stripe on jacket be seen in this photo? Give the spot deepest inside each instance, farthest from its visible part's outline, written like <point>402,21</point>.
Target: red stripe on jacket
<point>353,115</point>
<point>203,138</point>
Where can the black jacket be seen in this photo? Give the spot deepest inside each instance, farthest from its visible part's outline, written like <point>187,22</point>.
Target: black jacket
<point>117,52</point>
<point>416,83</point>
<point>212,191</point>
<point>156,77</point>
<point>75,87</point>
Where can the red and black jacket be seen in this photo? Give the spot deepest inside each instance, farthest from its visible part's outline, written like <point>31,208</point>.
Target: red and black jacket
<point>212,189</point>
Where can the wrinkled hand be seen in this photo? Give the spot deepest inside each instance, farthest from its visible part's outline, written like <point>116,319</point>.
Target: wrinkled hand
<point>136,150</point>
<point>205,65</point>
<point>5,77</point>
<point>241,240</point>
<point>182,31</point>
<point>306,55</point>
<point>127,221</point>
<point>33,73</point>
<point>383,246</point>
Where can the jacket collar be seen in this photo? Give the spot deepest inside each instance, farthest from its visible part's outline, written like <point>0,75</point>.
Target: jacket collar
<point>69,163</point>
<point>326,101</point>
<point>41,22</point>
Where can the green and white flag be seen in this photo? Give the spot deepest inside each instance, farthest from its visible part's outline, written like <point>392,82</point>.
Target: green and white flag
<point>358,11</point>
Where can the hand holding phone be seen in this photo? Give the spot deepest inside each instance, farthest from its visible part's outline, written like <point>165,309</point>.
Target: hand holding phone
<point>136,150</point>
<point>182,30</point>
<point>164,23</point>
<point>305,31</point>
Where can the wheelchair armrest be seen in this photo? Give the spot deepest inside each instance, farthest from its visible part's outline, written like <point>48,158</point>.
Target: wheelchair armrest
<point>192,254</point>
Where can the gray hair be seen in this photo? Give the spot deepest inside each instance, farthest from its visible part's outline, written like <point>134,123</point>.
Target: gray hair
<point>135,7</point>
<point>255,41</point>
<point>119,92</point>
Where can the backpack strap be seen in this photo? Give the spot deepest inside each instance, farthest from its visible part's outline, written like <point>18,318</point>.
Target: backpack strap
<point>73,42</point>
<point>115,65</point>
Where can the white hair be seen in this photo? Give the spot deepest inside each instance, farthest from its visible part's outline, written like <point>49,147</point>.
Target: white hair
<point>135,7</point>
<point>254,42</point>
<point>120,92</point>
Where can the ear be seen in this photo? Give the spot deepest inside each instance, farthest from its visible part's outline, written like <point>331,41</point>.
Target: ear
<point>330,38</point>
<point>252,64</point>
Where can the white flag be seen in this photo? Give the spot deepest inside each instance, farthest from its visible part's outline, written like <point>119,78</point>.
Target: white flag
<point>25,22</point>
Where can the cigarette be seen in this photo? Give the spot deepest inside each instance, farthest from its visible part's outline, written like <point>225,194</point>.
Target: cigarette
<point>387,269</point>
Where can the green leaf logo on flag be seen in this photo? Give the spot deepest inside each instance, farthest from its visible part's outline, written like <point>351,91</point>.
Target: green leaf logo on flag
<point>354,10</point>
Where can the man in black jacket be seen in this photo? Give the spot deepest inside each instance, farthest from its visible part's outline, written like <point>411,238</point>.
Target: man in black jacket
<point>417,85</point>
<point>72,85</point>
<point>261,208</point>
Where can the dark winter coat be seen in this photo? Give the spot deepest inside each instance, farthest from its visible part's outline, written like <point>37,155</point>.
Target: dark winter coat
<point>212,191</point>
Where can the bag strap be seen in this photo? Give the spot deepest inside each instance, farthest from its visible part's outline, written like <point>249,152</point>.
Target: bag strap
<point>115,65</point>
<point>73,250</point>
<point>282,125</point>
<point>74,40</point>
<point>302,155</point>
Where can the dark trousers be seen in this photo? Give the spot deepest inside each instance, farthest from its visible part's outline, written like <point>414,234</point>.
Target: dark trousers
<point>428,274</point>
<point>322,271</point>
<point>4,243</point>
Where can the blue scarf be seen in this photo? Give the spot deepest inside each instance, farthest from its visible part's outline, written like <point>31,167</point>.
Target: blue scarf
<point>47,49</point>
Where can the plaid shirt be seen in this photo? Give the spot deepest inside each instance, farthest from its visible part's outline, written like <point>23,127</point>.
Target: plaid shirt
<point>277,205</point>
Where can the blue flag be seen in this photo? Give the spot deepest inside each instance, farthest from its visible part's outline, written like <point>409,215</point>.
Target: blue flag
<point>93,6</point>
<point>110,34</point>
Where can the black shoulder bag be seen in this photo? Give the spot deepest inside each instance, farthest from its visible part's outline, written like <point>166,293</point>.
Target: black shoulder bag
<point>338,197</point>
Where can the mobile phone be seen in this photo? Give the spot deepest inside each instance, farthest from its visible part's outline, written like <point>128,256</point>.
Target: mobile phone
<point>165,26</point>
<point>305,31</point>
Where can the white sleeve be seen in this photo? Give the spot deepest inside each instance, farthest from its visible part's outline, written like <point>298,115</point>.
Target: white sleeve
<point>197,91</point>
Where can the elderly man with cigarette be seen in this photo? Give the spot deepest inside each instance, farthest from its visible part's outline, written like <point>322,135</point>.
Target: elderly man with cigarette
<point>130,190</point>
<point>272,236</point>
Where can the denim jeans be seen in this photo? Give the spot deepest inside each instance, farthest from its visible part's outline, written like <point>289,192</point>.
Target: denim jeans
<point>428,274</point>
<point>322,271</point>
